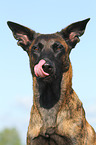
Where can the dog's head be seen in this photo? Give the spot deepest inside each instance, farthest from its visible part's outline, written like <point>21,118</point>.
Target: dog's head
<point>48,53</point>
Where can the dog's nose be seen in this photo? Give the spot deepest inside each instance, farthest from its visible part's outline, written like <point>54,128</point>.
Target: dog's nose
<point>48,68</point>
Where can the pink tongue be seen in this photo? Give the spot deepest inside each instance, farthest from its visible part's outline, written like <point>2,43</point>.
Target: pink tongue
<point>39,72</point>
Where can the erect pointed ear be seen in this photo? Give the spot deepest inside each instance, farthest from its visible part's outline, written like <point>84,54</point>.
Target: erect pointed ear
<point>24,35</point>
<point>72,33</point>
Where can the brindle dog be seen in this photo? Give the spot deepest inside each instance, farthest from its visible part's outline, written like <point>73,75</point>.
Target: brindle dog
<point>57,115</point>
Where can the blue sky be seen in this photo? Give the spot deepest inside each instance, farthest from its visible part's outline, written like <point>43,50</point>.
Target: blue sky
<point>15,77</point>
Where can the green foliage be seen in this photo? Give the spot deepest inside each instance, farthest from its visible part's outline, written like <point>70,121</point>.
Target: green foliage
<point>9,137</point>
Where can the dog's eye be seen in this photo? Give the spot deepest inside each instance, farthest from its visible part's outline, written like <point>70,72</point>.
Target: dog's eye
<point>35,48</point>
<point>57,47</point>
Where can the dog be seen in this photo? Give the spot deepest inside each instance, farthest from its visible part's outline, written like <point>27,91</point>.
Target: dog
<point>57,115</point>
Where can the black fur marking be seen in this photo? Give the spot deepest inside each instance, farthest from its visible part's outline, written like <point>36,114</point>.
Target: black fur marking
<point>49,92</point>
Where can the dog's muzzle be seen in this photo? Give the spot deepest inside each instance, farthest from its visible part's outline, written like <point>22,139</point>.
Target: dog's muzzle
<point>43,69</point>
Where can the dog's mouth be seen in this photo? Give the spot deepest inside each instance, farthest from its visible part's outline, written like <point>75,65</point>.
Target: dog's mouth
<point>44,70</point>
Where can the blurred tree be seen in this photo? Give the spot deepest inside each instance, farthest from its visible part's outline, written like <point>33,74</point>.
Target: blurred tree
<point>9,137</point>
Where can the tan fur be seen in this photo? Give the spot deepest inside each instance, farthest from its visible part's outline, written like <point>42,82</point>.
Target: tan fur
<point>65,119</point>
<point>64,123</point>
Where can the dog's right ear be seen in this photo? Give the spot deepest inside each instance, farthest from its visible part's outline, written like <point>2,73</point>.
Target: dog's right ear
<point>24,35</point>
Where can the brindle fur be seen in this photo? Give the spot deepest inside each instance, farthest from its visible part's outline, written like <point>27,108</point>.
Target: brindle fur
<point>57,115</point>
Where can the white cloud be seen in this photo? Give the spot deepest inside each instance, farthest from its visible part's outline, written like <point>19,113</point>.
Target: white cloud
<point>25,102</point>
<point>91,114</point>
<point>17,115</point>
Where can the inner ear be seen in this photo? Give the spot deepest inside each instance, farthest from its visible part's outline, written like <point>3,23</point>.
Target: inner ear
<point>73,36</point>
<point>22,39</point>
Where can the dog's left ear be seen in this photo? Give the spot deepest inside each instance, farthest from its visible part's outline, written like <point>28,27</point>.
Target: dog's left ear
<point>24,35</point>
<point>72,33</point>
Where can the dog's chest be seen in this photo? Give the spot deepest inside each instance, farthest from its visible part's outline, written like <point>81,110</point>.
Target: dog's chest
<point>49,118</point>
<point>49,127</point>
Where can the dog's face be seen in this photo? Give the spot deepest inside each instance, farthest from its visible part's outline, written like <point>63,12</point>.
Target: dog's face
<point>49,57</point>
<point>49,54</point>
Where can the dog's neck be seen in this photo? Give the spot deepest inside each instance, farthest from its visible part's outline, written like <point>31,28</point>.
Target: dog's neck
<point>47,95</point>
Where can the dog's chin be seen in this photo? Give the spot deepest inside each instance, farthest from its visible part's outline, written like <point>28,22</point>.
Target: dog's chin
<point>47,79</point>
